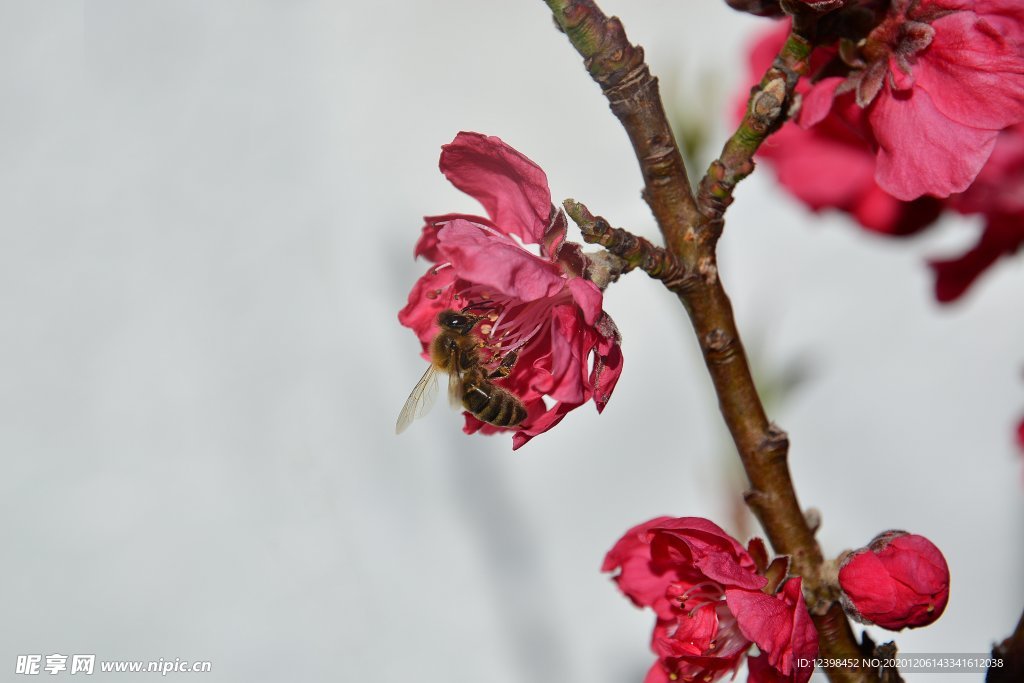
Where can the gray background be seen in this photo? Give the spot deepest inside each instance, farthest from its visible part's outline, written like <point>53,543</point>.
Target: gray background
<point>206,224</point>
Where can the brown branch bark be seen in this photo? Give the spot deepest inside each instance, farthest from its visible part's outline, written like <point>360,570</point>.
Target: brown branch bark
<point>635,252</point>
<point>766,111</point>
<point>632,93</point>
<point>1010,652</point>
<point>691,227</point>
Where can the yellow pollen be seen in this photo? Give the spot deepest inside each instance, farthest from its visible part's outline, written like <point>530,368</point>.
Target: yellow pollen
<point>485,329</point>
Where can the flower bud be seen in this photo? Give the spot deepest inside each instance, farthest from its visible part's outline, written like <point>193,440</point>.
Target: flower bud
<point>899,581</point>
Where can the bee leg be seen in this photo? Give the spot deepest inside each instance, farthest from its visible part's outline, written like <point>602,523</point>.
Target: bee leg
<point>505,367</point>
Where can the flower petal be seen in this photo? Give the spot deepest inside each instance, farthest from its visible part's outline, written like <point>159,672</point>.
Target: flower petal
<point>1003,235</point>
<point>431,294</point>
<point>657,674</point>
<point>760,671</point>
<point>973,72</point>
<point>824,166</point>
<point>426,246</point>
<point>546,421</point>
<point>488,259</point>
<point>569,351</point>
<point>607,364</point>
<point>817,102</point>
<point>639,579</point>
<point>702,543</point>
<point>999,188</point>
<point>878,210</point>
<point>693,634</point>
<point>762,618</point>
<point>779,624</point>
<point>512,189</point>
<point>923,152</point>
<point>588,297</point>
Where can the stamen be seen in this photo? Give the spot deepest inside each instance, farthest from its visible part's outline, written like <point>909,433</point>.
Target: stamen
<point>522,341</point>
<point>708,588</point>
<point>703,603</point>
<point>512,323</point>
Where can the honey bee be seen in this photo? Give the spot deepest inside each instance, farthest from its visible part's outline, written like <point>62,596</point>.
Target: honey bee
<point>457,352</point>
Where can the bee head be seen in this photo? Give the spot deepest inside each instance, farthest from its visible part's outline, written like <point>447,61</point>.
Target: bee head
<point>457,321</point>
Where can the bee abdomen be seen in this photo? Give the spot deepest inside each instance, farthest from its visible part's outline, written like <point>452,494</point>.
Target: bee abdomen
<point>494,405</point>
<point>516,411</point>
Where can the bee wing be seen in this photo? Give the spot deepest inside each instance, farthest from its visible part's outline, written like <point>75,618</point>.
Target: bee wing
<point>455,384</point>
<point>420,401</point>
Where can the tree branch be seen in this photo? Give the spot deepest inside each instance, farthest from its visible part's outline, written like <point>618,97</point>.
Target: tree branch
<point>1011,654</point>
<point>766,112</point>
<point>691,227</point>
<point>635,251</point>
<point>632,93</point>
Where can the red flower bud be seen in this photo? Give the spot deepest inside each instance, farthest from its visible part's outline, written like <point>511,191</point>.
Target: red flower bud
<point>899,581</point>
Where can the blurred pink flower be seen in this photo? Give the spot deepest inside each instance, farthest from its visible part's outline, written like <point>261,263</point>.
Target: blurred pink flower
<point>899,581</point>
<point>830,165</point>
<point>929,89</point>
<point>538,305</point>
<point>707,594</point>
<point>998,195</point>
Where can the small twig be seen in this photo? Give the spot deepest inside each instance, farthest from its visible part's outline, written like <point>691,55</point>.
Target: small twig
<point>632,93</point>
<point>766,111</point>
<point>634,250</point>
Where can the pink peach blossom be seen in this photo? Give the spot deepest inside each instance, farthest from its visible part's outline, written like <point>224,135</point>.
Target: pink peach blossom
<point>998,195</point>
<point>829,165</point>
<point>929,89</point>
<point>539,305</point>
<point>710,604</point>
